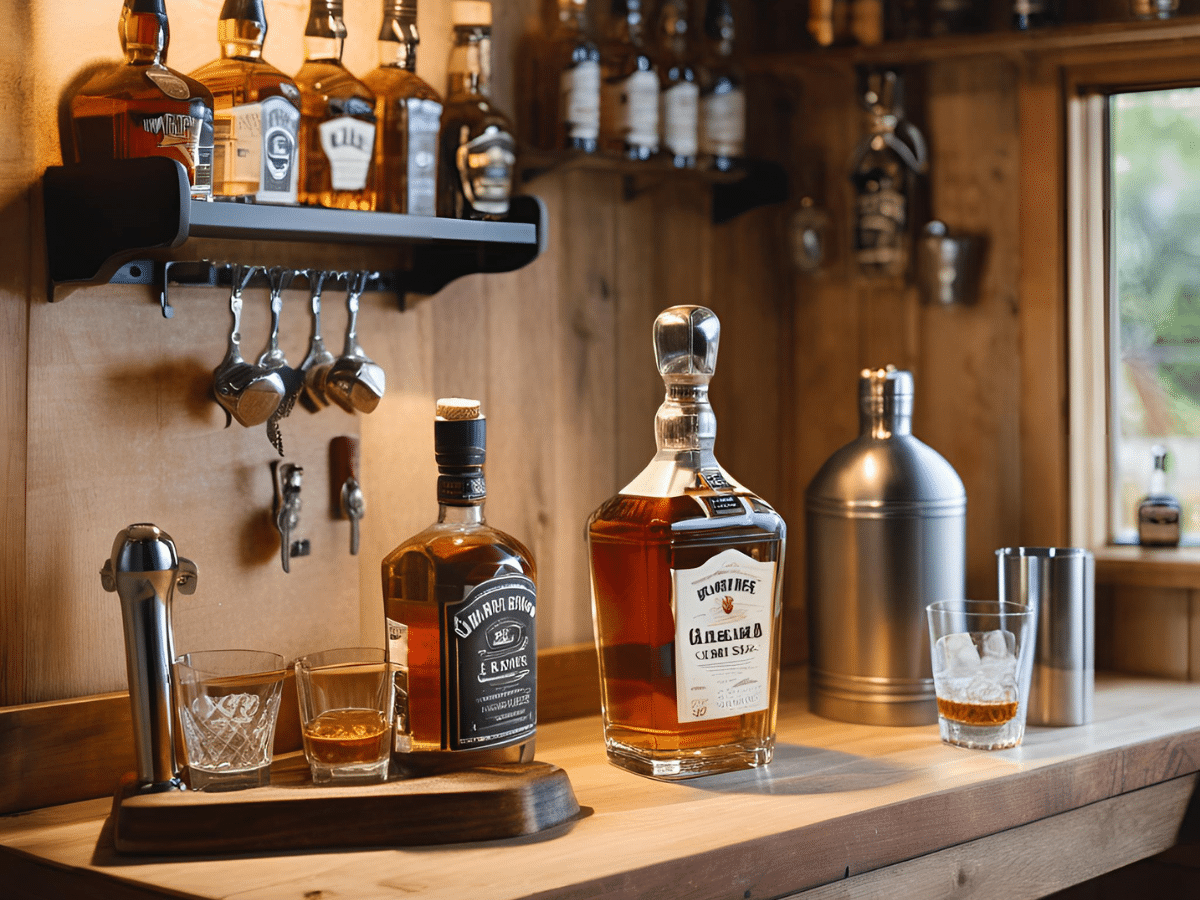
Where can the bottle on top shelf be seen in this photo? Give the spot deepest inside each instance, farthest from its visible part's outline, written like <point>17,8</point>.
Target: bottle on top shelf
<point>566,82</point>
<point>140,107</point>
<point>256,112</point>
<point>477,154</point>
<point>337,118</point>
<point>679,89</point>
<point>1028,14</point>
<point>722,134</point>
<point>629,92</point>
<point>408,116</point>
<point>460,607</point>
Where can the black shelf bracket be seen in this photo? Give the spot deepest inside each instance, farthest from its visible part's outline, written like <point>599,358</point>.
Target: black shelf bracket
<point>121,221</point>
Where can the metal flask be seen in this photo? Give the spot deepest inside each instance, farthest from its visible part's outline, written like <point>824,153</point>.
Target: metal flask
<point>886,536</point>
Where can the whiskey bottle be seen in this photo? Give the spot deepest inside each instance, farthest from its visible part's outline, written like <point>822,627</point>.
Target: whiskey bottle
<point>1158,512</point>
<point>142,108</point>
<point>477,154</point>
<point>337,118</point>
<point>679,91</point>
<point>460,603</point>
<point>566,83</point>
<point>408,115</point>
<point>722,96</point>
<point>256,112</point>
<point>629,86</point>
<point>686,568</point>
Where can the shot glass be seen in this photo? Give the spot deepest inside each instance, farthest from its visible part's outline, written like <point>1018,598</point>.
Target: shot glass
<point>982,657</point>
<point>228,705</point>
<point>347,708</point>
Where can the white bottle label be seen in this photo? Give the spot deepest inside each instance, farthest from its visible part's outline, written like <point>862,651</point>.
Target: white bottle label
<point>348,143</point>
<point>630,109</point>
<point>579,100</point>
<point>723,123</point>
<point>397,654</point>
<point>680,118</point>
<point>280,121</point>
<point>424,120</point>
<point>724,616</point>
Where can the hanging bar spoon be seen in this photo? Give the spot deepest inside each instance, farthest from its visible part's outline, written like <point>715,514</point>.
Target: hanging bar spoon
<point>246,392</point>
<point>315,367</point>
<point>355,383</point>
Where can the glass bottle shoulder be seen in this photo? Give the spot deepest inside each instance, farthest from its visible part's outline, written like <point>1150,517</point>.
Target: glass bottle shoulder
<point>475,111</point>
<point>438,563</point>
<point>398,83</point>
<point>683,518</point>
<point>235,81</point>
<point>131,82</point>
<point>322,81</point>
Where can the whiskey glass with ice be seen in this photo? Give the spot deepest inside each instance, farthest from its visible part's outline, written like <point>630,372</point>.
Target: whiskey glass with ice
<point>982,658</point>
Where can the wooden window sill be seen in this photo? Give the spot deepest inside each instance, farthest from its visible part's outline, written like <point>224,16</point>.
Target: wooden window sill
<point>842,808</point>
<point>1164,567</point>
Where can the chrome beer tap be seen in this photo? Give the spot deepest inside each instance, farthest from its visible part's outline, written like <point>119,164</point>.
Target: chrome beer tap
<point>144,570</point>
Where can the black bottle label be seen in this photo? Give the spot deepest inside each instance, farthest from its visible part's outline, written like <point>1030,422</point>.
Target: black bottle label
<point>491,664</point>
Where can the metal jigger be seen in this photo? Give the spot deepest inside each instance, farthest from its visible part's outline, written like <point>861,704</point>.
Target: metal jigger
<point>144,570</point>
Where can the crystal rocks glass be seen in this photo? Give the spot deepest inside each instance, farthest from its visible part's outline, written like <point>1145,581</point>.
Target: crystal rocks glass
<point>228,706</point>
<point>982,659</point>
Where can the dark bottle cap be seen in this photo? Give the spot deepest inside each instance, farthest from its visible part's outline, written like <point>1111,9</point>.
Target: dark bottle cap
<point>459,434</point>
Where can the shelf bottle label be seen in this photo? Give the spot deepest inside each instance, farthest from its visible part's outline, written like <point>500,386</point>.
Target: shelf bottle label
<point>424,121</point>
<point>579,93</point>
<point>630,108</point>
<point>723,123</point>
<point>680,117</point>
<point>349,144</point>
<point>485,168</point>
<point>491,664</point>
<point>723,621</point>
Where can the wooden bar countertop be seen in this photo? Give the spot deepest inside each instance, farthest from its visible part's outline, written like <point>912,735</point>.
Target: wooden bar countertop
<point>843,811</point>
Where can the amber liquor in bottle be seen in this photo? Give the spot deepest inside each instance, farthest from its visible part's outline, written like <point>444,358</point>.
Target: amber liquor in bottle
<point>256,112</point>
<point>142,108</point>
<point>566,83</point>
<point>477,153</point>
<point>408,113</point>
<point>679,89</point>
<point>686,568</point>
<point>460,601</point>
<point>337,118</point>
<point>629,86</point>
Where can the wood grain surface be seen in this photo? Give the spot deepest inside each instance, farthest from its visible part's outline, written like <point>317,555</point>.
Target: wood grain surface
<point>838,802</point>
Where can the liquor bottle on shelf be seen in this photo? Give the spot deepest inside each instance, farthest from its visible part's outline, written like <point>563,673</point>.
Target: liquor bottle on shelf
<point>829,22</point>
<point>882,171</point>
<point>477,154</point>
<point>679,90</point>
<point>1158,512</point>
<point>1153,9</point>
<point>408,116</point>
<point>686,568</point>
<point>337,118</point>
<point>866,21</point>
<point>566,83</point>
<point>460,607</point>
<point>1033,14</point>
<point>256,111</point>
<point>629,86</point>
<point>722,137</point>
<point>142,108</point>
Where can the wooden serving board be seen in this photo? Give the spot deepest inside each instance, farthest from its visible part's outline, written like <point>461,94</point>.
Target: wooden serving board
<point>292,813</point>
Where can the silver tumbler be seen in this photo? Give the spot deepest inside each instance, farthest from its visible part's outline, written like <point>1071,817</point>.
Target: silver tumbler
<point>886,536</point>
<point>1059,583</point>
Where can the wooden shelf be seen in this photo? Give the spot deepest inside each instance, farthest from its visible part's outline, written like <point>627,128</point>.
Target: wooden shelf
<point>844,810</point>
<point>122,221</point>
<point>1047,40</point>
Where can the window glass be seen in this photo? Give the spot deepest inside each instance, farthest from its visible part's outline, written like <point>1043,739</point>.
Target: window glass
<point>1154,336</point>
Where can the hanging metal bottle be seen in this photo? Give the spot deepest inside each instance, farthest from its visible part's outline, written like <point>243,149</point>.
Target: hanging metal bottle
<point>886,536</point>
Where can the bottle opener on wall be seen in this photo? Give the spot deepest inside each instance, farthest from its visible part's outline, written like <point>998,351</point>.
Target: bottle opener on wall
<point>288,479</point>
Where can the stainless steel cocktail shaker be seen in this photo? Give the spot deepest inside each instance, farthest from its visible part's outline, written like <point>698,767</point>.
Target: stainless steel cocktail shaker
<point>886,536</point>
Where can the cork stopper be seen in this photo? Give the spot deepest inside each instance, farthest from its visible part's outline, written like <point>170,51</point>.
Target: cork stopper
<point>456,408</point>
<point>471,13</point>
<point>685,344</point>
<point>459,434</point>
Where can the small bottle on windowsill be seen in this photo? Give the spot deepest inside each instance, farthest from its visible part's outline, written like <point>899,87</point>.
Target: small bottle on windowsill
<point>1158,513</point>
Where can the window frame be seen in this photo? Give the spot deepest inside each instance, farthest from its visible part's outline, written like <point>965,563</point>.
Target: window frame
<point>1089,275</point>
